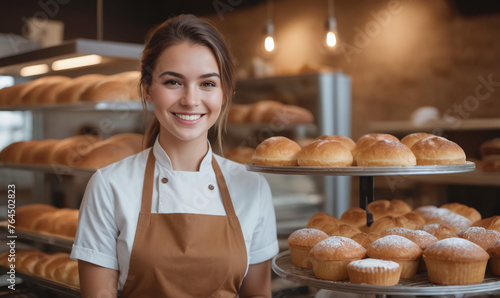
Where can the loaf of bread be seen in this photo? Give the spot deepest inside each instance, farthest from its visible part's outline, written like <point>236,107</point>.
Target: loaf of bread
<point>73,91</point>
<point>48,220</point>
<point>269,112</point>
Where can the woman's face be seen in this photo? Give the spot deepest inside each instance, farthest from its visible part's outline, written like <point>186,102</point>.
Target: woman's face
<point>186,92</point>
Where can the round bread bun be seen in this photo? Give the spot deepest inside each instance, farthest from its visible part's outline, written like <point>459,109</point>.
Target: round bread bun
<point>464,210</point>
<point>238,113</point>
<point>241,155</point>
<point>481,236</point>
<point>343,230</point>
<point>300,243</point>
<point>323,221</point>
<point>365,239</point>
<point>287,115</point>
<point>276,151</point>
<point>324,154</point>
<point>346,141</point>
<point>330,257</point>
<point>491,223</point>
<point>490,147</point>
<point>387,222</point>
<point>257,110</point>
<point>381,208</point>
<point>73,90</point>
<point>354,216</point>
<point>439,231</point>
<point>365,140</point>
<point>386,153</point>
<point>455,261</point>
<point>398,249</point>
<point>411,139</point>
<point>438,151</point>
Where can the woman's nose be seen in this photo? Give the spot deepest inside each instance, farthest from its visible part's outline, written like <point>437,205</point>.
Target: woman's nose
<point>191,97</point>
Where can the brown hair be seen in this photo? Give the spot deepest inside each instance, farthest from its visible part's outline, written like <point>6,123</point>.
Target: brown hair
<point>188,28</point>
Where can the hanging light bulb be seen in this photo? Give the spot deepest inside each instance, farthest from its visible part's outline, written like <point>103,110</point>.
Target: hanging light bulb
<point>331,41</point>
<point>269,43</point>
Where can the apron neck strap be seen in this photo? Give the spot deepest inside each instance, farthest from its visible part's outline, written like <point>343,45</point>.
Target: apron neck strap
<point>147,189</point>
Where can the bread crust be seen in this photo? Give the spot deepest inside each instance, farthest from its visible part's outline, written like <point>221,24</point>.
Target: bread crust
<point>276,151</point>
<point>438,151</point>
<point>386,153</point>
<point>324,153</point>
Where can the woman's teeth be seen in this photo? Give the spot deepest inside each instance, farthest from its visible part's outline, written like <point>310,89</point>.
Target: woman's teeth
<point>188,117</point>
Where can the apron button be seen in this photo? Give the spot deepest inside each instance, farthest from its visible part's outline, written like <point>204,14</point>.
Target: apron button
<point>164,180</point>
<point>211,187</point>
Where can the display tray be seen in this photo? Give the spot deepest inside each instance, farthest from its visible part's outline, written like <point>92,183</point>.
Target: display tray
<point>59,241</point>
<point>67,290</point>
<point>419,285</point>
<point>51,169</point>
<point>364,171</point>
<point>115,105</point>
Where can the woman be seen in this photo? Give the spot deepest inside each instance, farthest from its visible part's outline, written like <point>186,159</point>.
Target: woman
<point>206,226</point>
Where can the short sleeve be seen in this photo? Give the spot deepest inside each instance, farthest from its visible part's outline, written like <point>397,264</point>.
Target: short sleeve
<point>95,240</point>
<point>265,243</point>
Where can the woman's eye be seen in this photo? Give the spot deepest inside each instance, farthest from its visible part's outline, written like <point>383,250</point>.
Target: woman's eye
<point>208,84</point>
<point>171,82</point>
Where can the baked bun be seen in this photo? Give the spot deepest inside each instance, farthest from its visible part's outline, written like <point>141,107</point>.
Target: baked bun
<point>455,261</point>
<point>439,231</point>
<point>386,153</point>
<point>381,208</point>
<point>411,139</point>
<point>284,114</point>
<point>276,151</point>
<point>323,221</point>
<point>480,236</point>
<point>491,163</point>
<point>491,223</point>
<point>466,211</point>
<point>367,139</point>
<point>438,151</point>
<point>238,113</point>
<point>242,155</point>
<point>490,147</point>
<point>343,230</point>
<point>365,239</point>
<point>330,257</point>
<point>346,141</point>
<point>257,111</point>
<point>324,154</point>
<point>398,249</point>
<point>374,272</point>
<point>388,222</point>
<point>355,217</point>
<point>300,243</point>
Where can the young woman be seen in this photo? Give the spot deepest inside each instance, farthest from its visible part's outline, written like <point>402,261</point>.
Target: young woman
<point>176,220</point>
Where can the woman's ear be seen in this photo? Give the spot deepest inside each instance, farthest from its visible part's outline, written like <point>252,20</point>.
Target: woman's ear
<point>146,91</point>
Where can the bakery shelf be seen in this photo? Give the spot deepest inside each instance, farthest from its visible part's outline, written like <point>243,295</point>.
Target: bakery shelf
<point>57,241</point>
<point>419,285</point>
<point>67,290</point>
<point>116,105</point>
<point>50,169</point>
<point>477,177</point>
<point>364,171</point>
<point>430,126</point>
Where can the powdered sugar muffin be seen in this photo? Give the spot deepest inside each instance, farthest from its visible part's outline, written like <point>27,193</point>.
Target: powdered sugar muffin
<point>398,249</point>
<point>481,236</point>
<point>374,272</point>
<point>330,257</point>
<point>300,243</point>
<point>494,261</point>
<point>455,261</point>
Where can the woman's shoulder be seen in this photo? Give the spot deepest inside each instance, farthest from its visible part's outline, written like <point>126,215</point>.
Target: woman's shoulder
<point>128,165</point>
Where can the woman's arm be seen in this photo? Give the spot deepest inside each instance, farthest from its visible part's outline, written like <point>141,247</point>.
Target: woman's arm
<point>257,282</point>
<point>97,281</point>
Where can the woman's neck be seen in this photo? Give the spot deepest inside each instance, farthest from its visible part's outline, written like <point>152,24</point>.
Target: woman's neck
<point>184,156</point>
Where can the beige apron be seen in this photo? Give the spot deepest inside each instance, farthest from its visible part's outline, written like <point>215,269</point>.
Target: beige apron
<point>186,255</point>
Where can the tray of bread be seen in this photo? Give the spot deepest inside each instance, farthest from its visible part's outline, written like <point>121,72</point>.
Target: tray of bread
<point>373,154</point>
<point>427,250</point>
<point>49,270</point>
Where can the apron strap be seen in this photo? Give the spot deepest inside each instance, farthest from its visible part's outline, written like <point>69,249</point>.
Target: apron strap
<point>147,188</point>
<point>226,198</point>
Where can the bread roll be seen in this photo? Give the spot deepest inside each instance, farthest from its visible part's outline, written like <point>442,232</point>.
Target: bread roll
<point>26,214</point>
<point>287,115</point>
<point>12,153</point>
<point>106,153</point>
<point>70,151</point>
<point>258,110</point>
<point>72,92</point>
<point>385,153</point>
<point>461,209</point>
<point>438,151</point>
<point>346,141</point>
<point>381,208</point>
<point>276,151</point>
<point>367,139</point>
<point>490,147</point>
<point>382,224</point>
<point>242,155</point>
<point>14,94</point>
<point>365,239</point>
<point>491,163</point>
<point>238,113</point>
<point>323,221</point>
<point>411,139</point>
<point>50,260</point>
<point>41,152</point>
<point>324,154</point>
<point>491,223</point>
<point>354,216</point>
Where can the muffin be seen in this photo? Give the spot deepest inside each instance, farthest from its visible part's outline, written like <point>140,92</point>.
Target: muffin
<point>300,243</point>
<point>455,261</point>
<point>480,236</point>
<point>374,272</point>
<point>398,249</point>
<point>331,256</point>
<point>494,261</point>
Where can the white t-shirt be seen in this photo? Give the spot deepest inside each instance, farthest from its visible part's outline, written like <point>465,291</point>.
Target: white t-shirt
<point>112,201</point>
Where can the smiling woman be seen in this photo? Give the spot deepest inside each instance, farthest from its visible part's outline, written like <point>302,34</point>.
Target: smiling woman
<point>165,222</point>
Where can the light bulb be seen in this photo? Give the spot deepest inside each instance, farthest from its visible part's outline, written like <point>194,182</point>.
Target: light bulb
<point>269,43</point>
<point>331,39</point>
